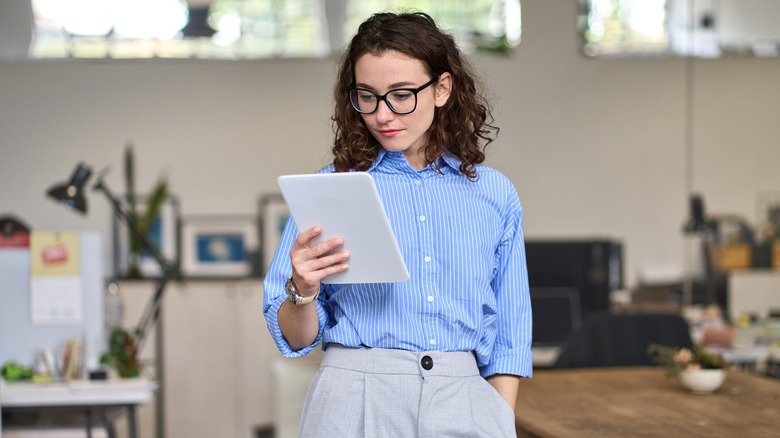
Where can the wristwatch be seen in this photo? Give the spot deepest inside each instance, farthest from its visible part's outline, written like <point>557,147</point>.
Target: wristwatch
<point>294,297</point>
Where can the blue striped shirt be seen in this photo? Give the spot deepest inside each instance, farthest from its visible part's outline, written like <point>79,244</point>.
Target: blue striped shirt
<point>463,244</point>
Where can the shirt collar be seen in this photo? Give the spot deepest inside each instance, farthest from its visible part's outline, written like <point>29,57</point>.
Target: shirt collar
<point>446,161</point>
<point>450,160</point>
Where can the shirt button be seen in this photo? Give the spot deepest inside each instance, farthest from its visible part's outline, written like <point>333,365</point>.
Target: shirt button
<point>432,341</point>
<point>427,258</point>
<point>426,362</point>
<point>418,182</point>
<point>422,218</point>
<point>430,298</point>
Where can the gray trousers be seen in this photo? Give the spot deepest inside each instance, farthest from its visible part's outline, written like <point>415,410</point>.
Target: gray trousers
<point>370,392</point>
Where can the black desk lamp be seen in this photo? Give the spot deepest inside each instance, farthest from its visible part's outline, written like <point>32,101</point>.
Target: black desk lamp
<point>71,194</point>
<point>697,224</point>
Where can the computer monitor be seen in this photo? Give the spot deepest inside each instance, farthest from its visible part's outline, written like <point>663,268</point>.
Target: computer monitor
<point>556,314</point>
<point>592,266</point>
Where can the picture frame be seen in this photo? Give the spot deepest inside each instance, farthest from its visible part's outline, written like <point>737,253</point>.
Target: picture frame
<point>165,233</point>
<point>274,215</point>
<point>219,246</point>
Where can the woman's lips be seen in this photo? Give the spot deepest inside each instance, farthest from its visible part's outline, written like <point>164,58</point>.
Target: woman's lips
<point>389,132</point>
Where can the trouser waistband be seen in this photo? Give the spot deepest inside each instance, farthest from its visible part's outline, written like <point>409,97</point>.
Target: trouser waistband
<point>387,361</point>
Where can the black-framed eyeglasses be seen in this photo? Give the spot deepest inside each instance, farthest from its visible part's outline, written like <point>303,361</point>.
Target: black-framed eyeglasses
<point>400,100</point>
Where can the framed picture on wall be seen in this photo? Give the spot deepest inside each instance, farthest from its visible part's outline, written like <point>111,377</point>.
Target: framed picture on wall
<point>219,246</point>
<point>273,218</point>
<point>164,232</point>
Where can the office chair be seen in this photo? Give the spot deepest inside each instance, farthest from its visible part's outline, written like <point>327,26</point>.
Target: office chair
<point>612,340</point>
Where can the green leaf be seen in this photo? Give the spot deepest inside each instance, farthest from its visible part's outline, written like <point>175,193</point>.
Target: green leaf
<point>130,177</point>
<point>143,219</point>
<point>154,205</point>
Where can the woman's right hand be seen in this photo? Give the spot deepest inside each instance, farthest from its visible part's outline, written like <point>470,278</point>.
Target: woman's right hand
<point>310,264</point>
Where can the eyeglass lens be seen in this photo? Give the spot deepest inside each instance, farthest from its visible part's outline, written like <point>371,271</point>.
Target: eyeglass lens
<point>400,101</point>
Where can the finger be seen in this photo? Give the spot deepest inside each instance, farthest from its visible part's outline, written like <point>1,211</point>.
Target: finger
<point>310,272</point>
<point>329,260</point>
<point>314,278</point>
<point>304,268</point>
<point>320,249</point>
<point>335,269</point>
<point>307,236</point>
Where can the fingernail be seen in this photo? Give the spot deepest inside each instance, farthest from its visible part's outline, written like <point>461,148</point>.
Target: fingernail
<point>339,242</point>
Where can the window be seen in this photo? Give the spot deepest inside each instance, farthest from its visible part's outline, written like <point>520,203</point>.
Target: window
<point>490,26</point>
<point>702,28</point>
<point>612,27</point>
<point>245,29</point>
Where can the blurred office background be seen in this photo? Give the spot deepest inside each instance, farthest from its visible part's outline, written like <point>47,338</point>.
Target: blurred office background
<point>599,147</point>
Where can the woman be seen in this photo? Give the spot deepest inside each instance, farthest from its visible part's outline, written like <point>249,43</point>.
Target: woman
<point>441,354</point>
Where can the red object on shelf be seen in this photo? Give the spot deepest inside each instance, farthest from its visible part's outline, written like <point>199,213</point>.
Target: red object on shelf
<point>13,233</point>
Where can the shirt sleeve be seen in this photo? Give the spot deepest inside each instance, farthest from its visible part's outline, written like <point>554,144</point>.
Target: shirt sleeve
<point>512,349</point>
<point>274,294</point>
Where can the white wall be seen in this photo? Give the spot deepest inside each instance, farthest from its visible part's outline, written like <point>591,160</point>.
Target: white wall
<point>595,147</point>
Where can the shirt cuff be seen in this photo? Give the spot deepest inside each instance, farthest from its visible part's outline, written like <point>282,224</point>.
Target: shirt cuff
<point>516,361</point>
<point>272,319</point>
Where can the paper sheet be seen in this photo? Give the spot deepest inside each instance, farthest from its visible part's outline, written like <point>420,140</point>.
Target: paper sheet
<point>55,286</point>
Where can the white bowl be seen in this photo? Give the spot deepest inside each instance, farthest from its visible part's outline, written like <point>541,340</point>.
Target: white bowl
<point>702,381</point>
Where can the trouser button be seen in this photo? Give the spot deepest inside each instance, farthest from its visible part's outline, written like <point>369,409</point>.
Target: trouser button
<point>426,362</point>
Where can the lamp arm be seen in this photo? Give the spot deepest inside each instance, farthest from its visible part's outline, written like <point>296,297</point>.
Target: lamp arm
<point>150,314</point>
<point>152,309</point>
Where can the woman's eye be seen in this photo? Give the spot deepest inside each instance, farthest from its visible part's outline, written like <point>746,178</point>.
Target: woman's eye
<point>402,95</point>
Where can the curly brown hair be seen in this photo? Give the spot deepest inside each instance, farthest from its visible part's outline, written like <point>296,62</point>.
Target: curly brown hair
<point>459,126</point>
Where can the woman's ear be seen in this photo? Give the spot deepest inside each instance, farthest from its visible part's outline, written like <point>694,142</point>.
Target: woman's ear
<point>443,89</point>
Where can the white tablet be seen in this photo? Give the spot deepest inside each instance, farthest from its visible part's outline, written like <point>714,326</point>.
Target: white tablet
<point>347,205</point>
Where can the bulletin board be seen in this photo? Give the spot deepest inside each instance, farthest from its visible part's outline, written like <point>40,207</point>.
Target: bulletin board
<point>20,338</point>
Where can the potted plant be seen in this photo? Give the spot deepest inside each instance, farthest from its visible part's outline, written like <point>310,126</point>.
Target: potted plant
<point>144,220</point>
<point>122,354</point>
<point>699,370</point>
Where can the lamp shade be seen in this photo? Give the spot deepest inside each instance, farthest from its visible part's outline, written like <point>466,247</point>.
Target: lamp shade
<point>697,221</point>
<point>198,23</point>
<point>72,192</point>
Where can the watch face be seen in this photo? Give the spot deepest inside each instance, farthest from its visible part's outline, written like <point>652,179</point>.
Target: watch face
<point>292,294</point>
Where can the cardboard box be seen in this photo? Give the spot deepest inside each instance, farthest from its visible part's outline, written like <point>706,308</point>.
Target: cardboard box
<point>776,255</point>
<point>732,256</point>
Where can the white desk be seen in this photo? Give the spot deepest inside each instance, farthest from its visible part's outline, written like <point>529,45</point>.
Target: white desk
<point>80,395</point>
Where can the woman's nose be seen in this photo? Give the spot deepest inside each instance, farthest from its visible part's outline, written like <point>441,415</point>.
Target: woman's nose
<point>383,112</point>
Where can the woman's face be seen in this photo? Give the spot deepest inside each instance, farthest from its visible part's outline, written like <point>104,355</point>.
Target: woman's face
<point>406,133</point>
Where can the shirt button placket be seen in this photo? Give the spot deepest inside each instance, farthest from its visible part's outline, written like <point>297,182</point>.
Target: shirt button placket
<point>426,248</point>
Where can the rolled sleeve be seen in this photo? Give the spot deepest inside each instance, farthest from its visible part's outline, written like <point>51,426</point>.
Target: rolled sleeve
<point>512,349</point>
<point>271,312</point>
<point>274,295</point>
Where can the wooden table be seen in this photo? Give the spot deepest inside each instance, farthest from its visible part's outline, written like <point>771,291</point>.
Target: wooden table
<point>644,402</point>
